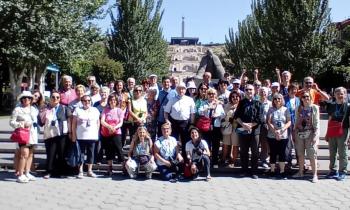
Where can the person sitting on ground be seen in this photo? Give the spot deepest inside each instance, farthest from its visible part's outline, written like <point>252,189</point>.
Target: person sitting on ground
<point>198,153</point>
<point>140,154</point>
<point>168,156</point>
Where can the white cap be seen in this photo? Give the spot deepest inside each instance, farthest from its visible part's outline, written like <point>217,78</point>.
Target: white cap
<point>181,84</point>
<point>191,84</point>
<point>275,84</point>
<point>285,72</point>
<point>152,75</point>
<point>236,81</point>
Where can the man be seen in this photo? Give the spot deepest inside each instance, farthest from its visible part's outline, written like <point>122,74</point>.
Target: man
<point>247,116</point>
<point>207,80</point>
<point>284,81</point>
<point>152,81</point>
<point>316,93</point>
<point>228,78</point>
<point>236,87</point>
<point>91,80</point>
<point>174,82</point>
<point>167,155</point>
<point>179,111</point>
<point>67,94</point>
<point>275,88</point>
<point>162,100</point>
<point>130,85</point>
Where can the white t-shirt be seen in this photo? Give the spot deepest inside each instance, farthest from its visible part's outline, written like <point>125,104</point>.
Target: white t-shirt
<point>167,148</point>
<point>87,123</point>
<point>180,108</point>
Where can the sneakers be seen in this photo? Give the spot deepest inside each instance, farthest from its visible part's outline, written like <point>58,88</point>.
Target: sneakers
<point>173,180</point>
<point>47,176</point>
<point>265,165</point>
<point>30,177</point>
<point>283,176</point>
<point>91,174</point>
<point>341,177</point>
<point>80,175</point>
<point>332,175</point>
<point>254,176</point>
<point>22,179</point>
<point>215,166</point>
<point>314,179</point>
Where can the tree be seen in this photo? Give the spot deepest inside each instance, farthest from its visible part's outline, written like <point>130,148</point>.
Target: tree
<point>343,66</point>
<point>296,35</point>
<point>37,33</point>
<point>136,38</point>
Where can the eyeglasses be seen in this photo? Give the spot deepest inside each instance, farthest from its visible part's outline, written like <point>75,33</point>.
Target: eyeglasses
<point>248,89</point>
<point>257,85</point>
<point>55,97</point>
<point>137,90</point>
<point>36,96</point>
<point>85,100</point>
<point>277,99</point>
<point>306,96</point>
<point>309,83</point>
<point>26,97</point>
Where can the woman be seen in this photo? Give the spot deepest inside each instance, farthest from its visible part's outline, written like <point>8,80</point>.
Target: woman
<point>212,109</point>
<point>230,140</point>
<point>101,105</point>
<point>137,109</point>
<point>111,123</point>
<point>25,116</point>
<point>306,134</point>
<point>197,152</point>
<point>123,103</point>
<point>152,110</point>
<point>201,97</point>
<point>338,111</point>
<point>54,118</point>
<point>278,121</point>
<point>191,89</point>
<point>145,86</point>
<point>38,100</point>
<point>140,154</point>
<point>85,126</point>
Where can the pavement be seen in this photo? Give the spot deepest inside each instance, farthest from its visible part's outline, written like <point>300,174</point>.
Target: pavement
<point>224,191</point>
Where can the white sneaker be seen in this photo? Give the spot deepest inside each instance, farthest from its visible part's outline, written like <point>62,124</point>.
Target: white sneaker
<point>22,179</point>
<point>30,177</point>
<point>215,166</point>
<point>314,179</point>
<point>80,175</point>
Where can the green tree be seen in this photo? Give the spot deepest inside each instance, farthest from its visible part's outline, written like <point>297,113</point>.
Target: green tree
<point>37,33</point>
<point>343,66</point>
<point>136,38</point>
<point>296,35</point>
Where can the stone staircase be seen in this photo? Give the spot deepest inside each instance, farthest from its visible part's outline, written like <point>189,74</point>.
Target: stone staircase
<point>7,149</point>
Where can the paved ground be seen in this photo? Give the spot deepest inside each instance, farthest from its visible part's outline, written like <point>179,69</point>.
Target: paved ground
<point>221,192</point>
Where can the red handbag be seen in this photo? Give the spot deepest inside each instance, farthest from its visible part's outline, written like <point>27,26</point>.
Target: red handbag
<point>204,124</point>
<point>21,135</point>
<point>187,170</point>
<point>105,131</point>
<point>334,129</point>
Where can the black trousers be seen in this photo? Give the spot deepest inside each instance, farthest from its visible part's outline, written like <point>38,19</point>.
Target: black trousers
<point>180,130</point>
<point>246,142</point>
<point>55,155</point>
<point>113,146</point>
<point>277,148</point>
<point>213,138</point>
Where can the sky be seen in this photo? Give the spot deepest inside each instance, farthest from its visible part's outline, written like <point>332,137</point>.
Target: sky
<point>210,20</point>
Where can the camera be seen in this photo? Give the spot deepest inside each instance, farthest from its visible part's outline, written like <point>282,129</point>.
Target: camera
<point>140,115</point>
<point>198,151</point>
<point>303,123</point>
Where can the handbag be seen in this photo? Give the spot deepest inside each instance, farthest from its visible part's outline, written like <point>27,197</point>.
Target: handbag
<point>21,135</point>
<point>334,129</point>
<point>105,132</point>
<point>204,124</point>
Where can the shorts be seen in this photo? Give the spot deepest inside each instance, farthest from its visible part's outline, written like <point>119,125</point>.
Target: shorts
<point>231,139</point>
<point>29,146</point>
<point>302,144</point>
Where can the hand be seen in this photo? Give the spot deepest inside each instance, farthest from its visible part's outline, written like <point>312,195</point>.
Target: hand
<point>315,86</point>
<point>277,70</point>
<point>256,71</point>
<point>180,158</point>
<point>167,164</point>
<point>244,71</point>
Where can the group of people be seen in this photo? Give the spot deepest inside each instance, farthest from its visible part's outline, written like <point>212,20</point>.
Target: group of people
<point>177,128</point>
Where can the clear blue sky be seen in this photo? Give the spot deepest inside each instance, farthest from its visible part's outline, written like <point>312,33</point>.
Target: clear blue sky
<point>210,20</point>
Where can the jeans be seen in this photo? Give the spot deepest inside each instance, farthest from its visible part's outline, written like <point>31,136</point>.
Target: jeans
<point>87,146</point>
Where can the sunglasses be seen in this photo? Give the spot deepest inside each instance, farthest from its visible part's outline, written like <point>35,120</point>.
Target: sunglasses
<point>55,97</point>
<point>248,89</point>
<point>85,100</point>
<point>137,90</point>
<point>277,99</point>
<point>309,83</point>
<point>256,85</point>
<point>26,97</point>
<point>306,97</point>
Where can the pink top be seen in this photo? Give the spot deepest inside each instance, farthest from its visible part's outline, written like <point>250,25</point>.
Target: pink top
<point>113,116</point>
<point>67,96</point>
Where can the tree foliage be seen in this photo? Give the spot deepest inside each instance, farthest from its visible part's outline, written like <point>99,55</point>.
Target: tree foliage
<point>343,66</point>
<point>136,38</point>
<point>37,33</point>
<point>296,35</point>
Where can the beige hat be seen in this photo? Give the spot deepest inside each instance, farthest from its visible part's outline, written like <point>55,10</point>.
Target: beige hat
<point>190,85</point>
<point>181,84</point>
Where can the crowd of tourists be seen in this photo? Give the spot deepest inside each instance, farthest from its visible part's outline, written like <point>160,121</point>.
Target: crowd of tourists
<point>177,127</point>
